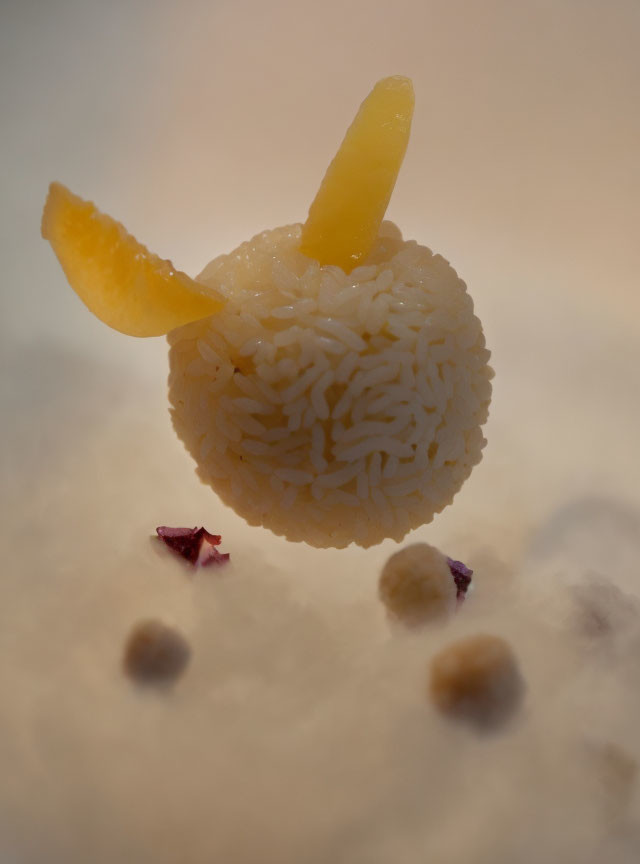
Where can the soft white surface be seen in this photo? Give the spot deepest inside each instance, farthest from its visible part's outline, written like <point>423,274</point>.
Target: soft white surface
<point>301,732</point>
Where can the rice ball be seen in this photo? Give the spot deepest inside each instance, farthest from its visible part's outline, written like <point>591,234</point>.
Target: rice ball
<point>477,680</point>
<point>416,585</point>
<point>329,407</point>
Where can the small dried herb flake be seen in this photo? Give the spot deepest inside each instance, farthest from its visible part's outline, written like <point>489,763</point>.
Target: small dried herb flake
<point>461,576</point>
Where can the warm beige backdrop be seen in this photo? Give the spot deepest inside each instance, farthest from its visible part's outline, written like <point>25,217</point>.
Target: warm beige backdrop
<point>200,123</point>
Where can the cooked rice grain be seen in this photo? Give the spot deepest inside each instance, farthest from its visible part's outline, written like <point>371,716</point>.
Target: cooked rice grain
<point>357,398</point>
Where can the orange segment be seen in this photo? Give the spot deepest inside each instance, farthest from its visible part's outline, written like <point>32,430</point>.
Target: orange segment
<point>346,214</point>
<point>122,283</point>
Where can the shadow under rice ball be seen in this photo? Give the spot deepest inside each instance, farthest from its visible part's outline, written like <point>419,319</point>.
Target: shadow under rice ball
<point>416,585</point>
<point>155,653</point>
<point>477,680</point>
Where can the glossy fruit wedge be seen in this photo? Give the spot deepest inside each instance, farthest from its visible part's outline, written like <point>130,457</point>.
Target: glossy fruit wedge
<point>345,216</point>
<point>122,283</point>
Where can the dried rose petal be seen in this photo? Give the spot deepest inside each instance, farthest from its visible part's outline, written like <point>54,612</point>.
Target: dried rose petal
<point>461,576</point>
<point>213,539</point>
<point>191,542</point>
<point>210,555</point>
<point>184,541</point>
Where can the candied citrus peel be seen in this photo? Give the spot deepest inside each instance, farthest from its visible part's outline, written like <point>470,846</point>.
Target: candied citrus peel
<point>121,282</point>
<point>345,216</point>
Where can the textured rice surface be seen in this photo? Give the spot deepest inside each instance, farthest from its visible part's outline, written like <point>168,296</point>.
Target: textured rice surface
<point>333,408</point>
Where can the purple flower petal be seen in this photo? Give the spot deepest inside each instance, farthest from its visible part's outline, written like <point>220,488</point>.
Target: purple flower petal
<point>213,539</point>
<point>210,555</point>
<point>461,576</point>
<point>189,543</point>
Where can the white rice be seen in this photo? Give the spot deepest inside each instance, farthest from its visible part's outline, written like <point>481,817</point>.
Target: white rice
<point>329,407</point>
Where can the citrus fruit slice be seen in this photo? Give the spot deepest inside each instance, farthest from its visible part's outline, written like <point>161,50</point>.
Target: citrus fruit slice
<point>122,283</point>
<point>346,213</point>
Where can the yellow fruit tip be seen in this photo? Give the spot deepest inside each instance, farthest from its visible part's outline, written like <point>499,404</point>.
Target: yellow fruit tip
<point>56,189</point>
<point>45,212</point>
<point>396,82</point>
<point>53,193</point>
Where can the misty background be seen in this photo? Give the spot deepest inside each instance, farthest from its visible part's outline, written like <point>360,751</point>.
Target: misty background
<point>302,731</point>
